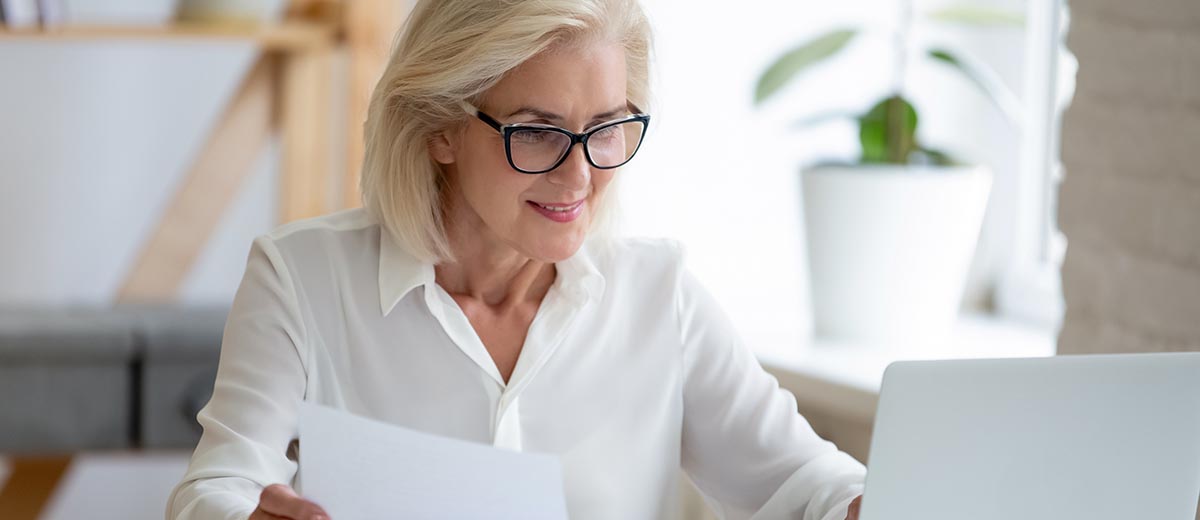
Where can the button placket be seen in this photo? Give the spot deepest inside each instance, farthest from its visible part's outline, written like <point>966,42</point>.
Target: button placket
<point>508,423</point>
<point>537,351</point>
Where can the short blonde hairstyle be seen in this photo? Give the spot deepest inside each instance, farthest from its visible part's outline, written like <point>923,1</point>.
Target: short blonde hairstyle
<point>450,51</point>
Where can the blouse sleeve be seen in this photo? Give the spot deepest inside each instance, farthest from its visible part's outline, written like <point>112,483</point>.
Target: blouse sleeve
<point>745,446</point>
<point>250,420</point>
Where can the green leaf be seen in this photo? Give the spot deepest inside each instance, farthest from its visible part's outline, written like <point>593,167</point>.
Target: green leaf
<point>986,79</point>
<point>797,60</point>
<point>977,15</point>
<point>888,131</point>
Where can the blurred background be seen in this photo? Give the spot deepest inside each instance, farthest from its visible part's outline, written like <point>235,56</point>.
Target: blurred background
<point>858,182</point>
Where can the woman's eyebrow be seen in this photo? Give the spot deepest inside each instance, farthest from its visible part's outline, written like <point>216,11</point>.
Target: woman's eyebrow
<point>555,117</point>
<point>623,107</point>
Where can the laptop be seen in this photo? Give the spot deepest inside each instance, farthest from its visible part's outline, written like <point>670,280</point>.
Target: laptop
<point>1097,437</point>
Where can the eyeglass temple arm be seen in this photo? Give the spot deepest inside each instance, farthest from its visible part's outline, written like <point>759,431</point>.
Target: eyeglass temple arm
<point>482,116</point>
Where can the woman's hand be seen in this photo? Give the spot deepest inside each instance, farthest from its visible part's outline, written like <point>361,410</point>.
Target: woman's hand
<point>852,512</point>
<point>280,501</point>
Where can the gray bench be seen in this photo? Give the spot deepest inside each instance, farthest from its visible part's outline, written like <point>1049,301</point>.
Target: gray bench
<point>127,376</point>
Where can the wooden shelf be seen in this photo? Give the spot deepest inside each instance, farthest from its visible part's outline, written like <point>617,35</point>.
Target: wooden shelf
<point>284,36</point>
<point>288,90</point>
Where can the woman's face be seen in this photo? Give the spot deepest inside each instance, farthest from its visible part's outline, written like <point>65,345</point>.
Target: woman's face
<point>571,87</point>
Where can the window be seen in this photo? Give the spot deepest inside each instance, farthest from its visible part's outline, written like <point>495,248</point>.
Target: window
<point>723,176</point>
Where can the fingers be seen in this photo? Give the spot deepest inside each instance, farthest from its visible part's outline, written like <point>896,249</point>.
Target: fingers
<point>852,513</point>
<point>280,501</point>
<point>259,514</point>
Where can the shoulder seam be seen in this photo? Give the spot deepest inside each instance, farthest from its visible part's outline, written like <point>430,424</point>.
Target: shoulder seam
<point>329,221</point>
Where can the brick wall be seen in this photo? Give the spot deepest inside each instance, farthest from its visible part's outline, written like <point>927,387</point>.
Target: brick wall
<point>1130,199</point>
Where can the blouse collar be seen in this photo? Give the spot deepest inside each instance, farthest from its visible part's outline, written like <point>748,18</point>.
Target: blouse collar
<point>400,272</point>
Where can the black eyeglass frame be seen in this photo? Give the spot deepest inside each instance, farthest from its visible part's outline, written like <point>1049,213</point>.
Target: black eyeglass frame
<point>507,130</point>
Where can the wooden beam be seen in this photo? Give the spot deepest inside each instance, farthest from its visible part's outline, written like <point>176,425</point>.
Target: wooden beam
<point>370,26</point>
<point>307,103</point>
<point>284,36</point>
<point>226,160</point>
<point>30,484</point>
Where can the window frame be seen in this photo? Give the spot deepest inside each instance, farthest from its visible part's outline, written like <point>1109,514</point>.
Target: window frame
<point>1030,286</point>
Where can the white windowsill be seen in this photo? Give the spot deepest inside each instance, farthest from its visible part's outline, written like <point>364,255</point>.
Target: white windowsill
<point>843,379</point>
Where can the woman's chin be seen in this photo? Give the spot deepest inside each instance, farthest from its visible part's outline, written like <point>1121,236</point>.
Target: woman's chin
<point>558,246</point>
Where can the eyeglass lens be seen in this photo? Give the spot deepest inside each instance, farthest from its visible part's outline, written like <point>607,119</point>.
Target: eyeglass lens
<point>537,150</point>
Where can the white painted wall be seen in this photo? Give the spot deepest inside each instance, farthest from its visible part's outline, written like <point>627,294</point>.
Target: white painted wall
<point>94,140</point>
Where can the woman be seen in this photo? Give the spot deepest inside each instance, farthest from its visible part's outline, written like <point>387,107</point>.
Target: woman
<point>476,295</point>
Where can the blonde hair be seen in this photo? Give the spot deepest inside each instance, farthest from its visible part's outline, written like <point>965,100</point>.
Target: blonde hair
<point>449,51</point>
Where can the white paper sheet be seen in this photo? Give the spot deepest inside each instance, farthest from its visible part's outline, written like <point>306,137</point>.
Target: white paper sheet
<point>358,468</point>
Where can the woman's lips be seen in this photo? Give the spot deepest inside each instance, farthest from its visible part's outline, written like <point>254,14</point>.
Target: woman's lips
<point>559,212</point>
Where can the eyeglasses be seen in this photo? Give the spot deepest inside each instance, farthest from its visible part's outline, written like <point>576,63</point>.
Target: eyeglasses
<point>537,148</point>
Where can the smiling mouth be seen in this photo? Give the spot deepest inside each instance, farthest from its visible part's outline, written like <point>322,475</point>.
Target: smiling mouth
<point>560,208</point>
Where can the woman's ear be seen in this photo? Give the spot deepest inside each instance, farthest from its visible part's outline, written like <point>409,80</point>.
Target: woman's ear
<point>441,148</point>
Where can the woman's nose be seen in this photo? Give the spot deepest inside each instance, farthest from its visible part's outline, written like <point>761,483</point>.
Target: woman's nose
<point>575,172</point>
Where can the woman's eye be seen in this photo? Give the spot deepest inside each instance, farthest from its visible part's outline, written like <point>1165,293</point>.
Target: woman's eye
<point>529,137</point>
<point>607,133</point>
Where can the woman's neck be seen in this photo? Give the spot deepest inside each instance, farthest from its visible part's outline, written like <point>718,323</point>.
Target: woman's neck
<point>490,271</point>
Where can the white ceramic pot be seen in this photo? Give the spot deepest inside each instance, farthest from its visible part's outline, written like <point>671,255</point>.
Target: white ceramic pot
<point>889,248</point>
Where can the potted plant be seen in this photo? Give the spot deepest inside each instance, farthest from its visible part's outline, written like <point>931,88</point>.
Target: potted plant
<point>890,237</point>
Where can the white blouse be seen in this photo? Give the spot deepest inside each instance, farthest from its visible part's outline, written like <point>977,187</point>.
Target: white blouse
<point>630,371</point>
